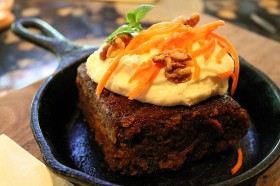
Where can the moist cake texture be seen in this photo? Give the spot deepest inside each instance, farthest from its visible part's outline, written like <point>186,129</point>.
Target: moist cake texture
<point>139,138</point>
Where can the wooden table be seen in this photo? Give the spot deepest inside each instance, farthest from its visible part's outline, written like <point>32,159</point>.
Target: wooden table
<point>259,51</point>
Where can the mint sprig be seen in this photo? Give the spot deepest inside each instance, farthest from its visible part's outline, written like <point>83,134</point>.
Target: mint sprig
<point>133,18</point>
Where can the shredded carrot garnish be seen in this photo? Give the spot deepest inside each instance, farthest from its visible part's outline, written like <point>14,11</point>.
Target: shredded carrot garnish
<point>225,74</point>
<point>221,54</point>
<point>152,73</point>
<point>235,58</point>
<point>222,45</point>
<point>161,31</point>
<point>203,49</point>
<point>198,37</point>
<point>208,27</point>
<point>216,122</point>
<point>144,67</point>
<point>175,40</point>
<point>145,47</point>
<point>108,74</point>
<point>239,162</point>
<point>196,70</point>
<point>167,44</point>
<point>209,53</point>
<point>202,42</point>
<point>172,35</point>
<point>134,43</point>
<point>143,36</point>
<point>192,39</point>
<point>161,26</point>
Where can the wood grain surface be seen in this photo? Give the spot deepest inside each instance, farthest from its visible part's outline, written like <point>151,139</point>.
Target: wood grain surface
<point>257,50</point>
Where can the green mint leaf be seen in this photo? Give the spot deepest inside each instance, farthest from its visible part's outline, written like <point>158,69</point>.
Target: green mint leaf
<point>121,30</point>
<point>132,18</point>
<point>138,27</point>
<point>138,13</point>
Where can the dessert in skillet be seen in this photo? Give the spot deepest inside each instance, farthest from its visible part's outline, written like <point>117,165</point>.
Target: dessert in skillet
<point>157,98</point>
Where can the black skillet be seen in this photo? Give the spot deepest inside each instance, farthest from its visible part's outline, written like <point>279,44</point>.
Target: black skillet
<point>65,140</point>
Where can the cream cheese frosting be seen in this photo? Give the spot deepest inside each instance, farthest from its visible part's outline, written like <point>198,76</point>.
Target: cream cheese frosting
<point>161,91</point>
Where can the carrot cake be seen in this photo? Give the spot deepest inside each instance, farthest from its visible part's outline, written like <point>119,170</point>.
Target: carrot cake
<point>159,97</point>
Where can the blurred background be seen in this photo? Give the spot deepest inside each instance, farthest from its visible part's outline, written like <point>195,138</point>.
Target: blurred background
<point>89,22</point>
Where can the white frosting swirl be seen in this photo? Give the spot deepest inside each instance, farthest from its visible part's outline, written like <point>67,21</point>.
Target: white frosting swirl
<point>161,91</point>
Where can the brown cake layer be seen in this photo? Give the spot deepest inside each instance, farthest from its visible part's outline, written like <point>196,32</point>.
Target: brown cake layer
<point>138,138</point>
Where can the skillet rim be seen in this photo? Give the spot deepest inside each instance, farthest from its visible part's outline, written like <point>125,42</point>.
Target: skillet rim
<point>45,149</point>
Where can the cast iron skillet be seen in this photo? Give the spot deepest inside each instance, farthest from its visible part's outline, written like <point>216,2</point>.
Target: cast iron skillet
<point>65,140</point>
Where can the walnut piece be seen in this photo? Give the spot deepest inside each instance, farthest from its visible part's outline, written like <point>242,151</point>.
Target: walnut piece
<point>193,20</point>
<point>176,64</point>
<point>114,47</point>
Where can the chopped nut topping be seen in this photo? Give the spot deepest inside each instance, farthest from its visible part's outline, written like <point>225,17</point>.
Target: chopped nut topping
<point>193,20</point>
<point>176,64</point>
<point>113,48</point>
<point>103,53</point>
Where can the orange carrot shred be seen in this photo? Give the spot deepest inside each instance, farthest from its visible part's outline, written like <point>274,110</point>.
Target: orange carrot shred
<point>107,75</point>
<point>203,49</point>
<point>222,45</point>
<point>208,27</point>
<point>221,54</point>
<point>166,30</point>
<point>145,47</point>
<point>175,40</point>
<point>134,42</point>
<point>142,69</point>
<point>239,162</point>
<point>209,53</point>
<point>161,26</point>
<point>235,58</point>
<point>189,45</point>
<point>196,70</point>
<point>150,33</point>
<point>166,45</point>
<point>225,74</point>
<point>216,124</point>
<point>151,74</point>
<point>191,39</point>
<point>202,42</point>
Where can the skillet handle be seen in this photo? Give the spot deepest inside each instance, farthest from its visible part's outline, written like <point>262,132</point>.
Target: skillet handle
<point>50,39</point>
